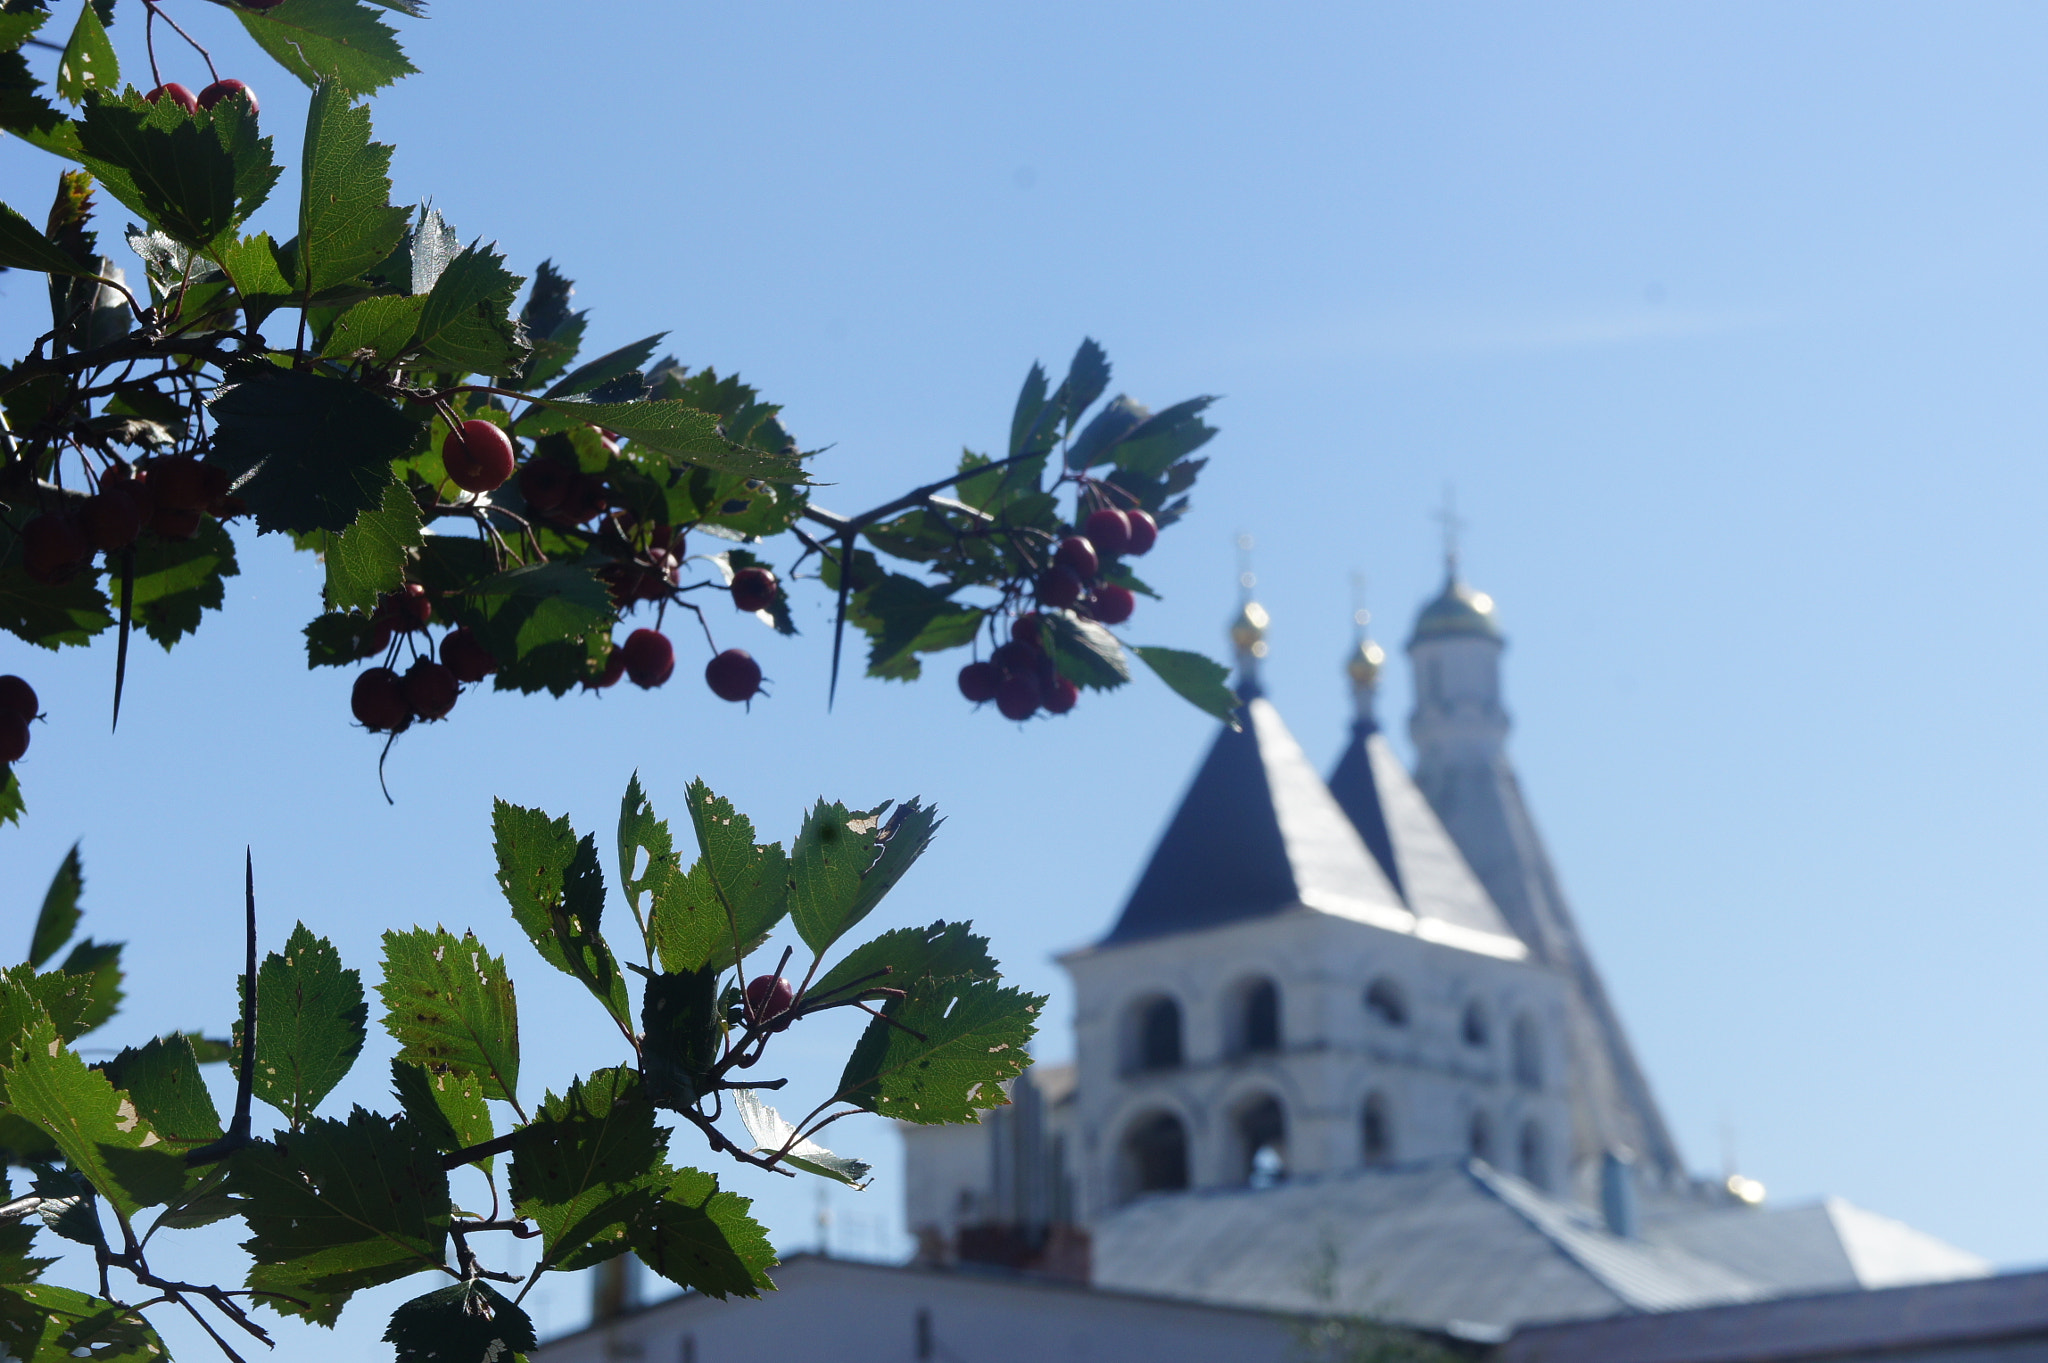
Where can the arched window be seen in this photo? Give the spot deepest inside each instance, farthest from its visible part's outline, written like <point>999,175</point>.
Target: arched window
<point>1474,1028</point>
<point>1155,1035</point>
<point>1379,1130</point>
<point>1479,1137</point>
<point>1260,1021</point>
<point>1528,1054</point>
<point>1155,1156</point>
<point>1262,1142</point>
<point>1387,1001</point>
<point>1531,1152</point>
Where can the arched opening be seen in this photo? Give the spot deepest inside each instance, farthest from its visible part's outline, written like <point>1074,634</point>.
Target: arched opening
<point>1530,1151</point>
<point>1479,1137</point>
<point>1258,1022</point>
<point>1528,1054</point>
<point>1387,1001</point>
<point>1154,1156</point>
<point>1153,1035</point>
<point>1378,1130</point>
<point>1262,1142</point>
<point>1475,1028</point>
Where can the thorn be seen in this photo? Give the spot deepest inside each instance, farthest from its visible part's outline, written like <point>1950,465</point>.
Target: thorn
<point>127,619</point>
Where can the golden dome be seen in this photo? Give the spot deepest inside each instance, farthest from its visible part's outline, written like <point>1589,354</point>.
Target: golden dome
<point>1365,663</point>
<point>1248,631</point>
<point>1457,610</point>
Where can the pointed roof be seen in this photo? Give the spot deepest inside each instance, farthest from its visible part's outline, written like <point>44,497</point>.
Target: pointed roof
<point>1256,834</point>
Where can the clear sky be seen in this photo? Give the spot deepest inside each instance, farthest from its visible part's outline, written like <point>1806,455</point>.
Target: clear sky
<point>1723,319</point>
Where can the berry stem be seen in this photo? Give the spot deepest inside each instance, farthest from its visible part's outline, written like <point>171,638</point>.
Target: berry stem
<point>204,55</point>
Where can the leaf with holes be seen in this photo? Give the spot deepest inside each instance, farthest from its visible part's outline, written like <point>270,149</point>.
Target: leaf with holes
<point>556,891</point>
<point>445,1103</point>
<point>942,1052</point>
<point>312,1022</point>
<point>450,1004</point>
<point>467,1321</point>
<point>102,1134</point>
<point>339,40</point>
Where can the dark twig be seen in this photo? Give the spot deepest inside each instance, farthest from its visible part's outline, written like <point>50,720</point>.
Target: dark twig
<point>497,1145</point>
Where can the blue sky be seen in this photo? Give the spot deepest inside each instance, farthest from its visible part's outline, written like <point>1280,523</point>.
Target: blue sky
<point>1722,319</point>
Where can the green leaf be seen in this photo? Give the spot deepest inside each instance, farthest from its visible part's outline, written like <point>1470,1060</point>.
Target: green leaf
<point>681,1029</point>
<point>943,951</point>
<point>464,1323</point>
<point>42,1323</point>
<point>641,832</point>
<point>59,918</point>
<point>347,225</point>
<point>1165,437</point>
<point>17,26</point>
<point>772,1134</point>
<point>1025,420</point>
<point>162,1079</point>
<point>524,609</point>
<point>844,863</point>
<point>29,1000</point>
<point>330,41</point>
<point>467,323</point>
<point>50,617</point>
<point>100,1131</point>
<point>1196,679</point>
<point>311,1021</point>
<point>99,964</point>
<point>627,359</point>
<point>381,327</point>
<point>958,1040</point>
<point>445,1104</point>
<point>338,1207</point>
<point>588,1166</point>
<point>556,891</point>
<point>1085,653</point>
<point>28,115</point>
<point>702,1238</point>
<point>368,559</point>
<point>339,638</point>
<point>450,1004</point>
<point>178,581</point>
<point>165,164</point>
<point>22,247</point>
<point>251,263</point>
<point>906,617</point>
<point>312,452</point>
<point>1087,377</point>
<point>675,429</point>
<point>12,806</point>
<point>88,62</point>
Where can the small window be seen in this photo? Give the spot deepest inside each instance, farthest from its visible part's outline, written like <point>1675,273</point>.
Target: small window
<point>1531,1152</point>
<point>1379,1130</point>
<point>1155,1155</point>
<point>1262,1017</point>
<point>1386,1001</point>
<point>1262,1137</point>
<point>1528,1054</point>
<point>1479,1137</point>
<point>1158,1039</point>
<point>1474,1028</point>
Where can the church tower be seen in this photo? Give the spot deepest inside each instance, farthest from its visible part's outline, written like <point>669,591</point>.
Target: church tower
<point>1460,727</point>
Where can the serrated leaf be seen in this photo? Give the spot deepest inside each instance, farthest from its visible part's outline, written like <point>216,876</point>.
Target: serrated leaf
<point>311,1022</point>
<point>162,1079</point>
<point>640,832</point>
<point>44,1323</point>
<point>51,617</point>
<point>27,114</point>
<point>1087,376</point>
<point>450,1004</point>
<point>749,881</point>
<point>29,1000</point>
<point>703,1238</point>
<point>681,1030</point>
<point>338,638</point>
<point>1100,435</point>
<point>12,806</point>
<point>99,1129</point>
<point>467,322</point>
<point>1031,401</point>
<point>675,429</point>
<point>347,225</point>
<point>368,559</point>
<point>771,1133</point>
<point>556,891</point>
<point>524,609</point>
<point>469,1322</point>
<point>627,359</point>
<point>311,452</point>
<point>381,327</point>
<point>22,247</point>
<point>445,1104</point>
<point>1200,681</point>
<point>99,964</point>
<point>60,913</point>
<point>588,1166</point>
<point>162,163</point>
<point>1085,653</point>
<point>338,1207</point>
<point>430,246</point>
<point>17,26</point>
<point>178,581</point>
<point>958,1041</point>
<point>88,61</point>
<point>251,264</point>
<point>942,951</point>
<point>1164,438</point>
<point>338,41</point>
<point>843,864</point>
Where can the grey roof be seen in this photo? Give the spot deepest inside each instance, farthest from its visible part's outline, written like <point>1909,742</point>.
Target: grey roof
<point>1395,822</point>
<point>1818,1247</point>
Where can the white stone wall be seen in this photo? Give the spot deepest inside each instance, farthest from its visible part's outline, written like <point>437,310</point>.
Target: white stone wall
<point>1458,716</point>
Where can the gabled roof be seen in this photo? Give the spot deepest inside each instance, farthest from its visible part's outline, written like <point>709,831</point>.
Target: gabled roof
<point>1406,838</point>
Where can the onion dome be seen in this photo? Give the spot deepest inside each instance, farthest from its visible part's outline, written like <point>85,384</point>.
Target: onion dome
<point>1364,665</point>
<point>1248,631</point>
<point>1457,612</point>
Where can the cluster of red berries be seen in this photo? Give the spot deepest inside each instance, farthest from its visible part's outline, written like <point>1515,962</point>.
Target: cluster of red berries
<point>18,705</point>
<point>169,497</point>
<point>207,98</point>
<point>647,659</point>
<point>386,702</point>
<point>1019,676</point>
<point>1074,580</point>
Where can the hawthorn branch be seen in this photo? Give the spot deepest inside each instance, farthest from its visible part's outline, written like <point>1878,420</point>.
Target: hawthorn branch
<point>100,357</point>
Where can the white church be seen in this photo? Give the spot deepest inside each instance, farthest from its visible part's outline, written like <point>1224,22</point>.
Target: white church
<point>1345,1054</point>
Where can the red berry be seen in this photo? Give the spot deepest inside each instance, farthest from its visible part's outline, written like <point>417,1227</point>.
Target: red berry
<point>769,996</point>
<point>753,589</point>
<point>430,689</point>
<point>1077,553</point>
<point>586,500</point>
<point>1019,696</point>
<point>613,669</point>
<point>1114,604</point>
<point>111,518</point>
<point>180,483</point>
<point>406,609</point>
<point>1109,530</point>
<point>221,89</point>
<point>1015,657</point>
<point>546,483</point>
<point>13,740</point>
<point>733,675</point>
<point>1144,532</point>
<point>379,639</point>
<point>1061,695</point>
<point>1060,586</point>
<point>650,657</point>
<point>379,701</point>
<point>1029,630</point>
<point>463,653</point>
<point>978,681</point>
<point>17,697</point>
<point>478,456</point>
<point>174,523</point>
<point>180,96</point>
<point>53,547</point>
